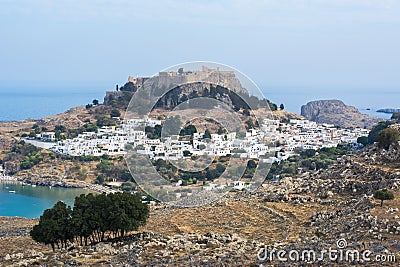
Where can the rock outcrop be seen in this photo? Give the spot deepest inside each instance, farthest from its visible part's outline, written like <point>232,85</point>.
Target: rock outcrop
<point>337,113</point>
<point>389,110</point>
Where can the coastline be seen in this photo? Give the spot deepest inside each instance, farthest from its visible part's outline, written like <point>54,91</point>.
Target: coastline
<point>6,178</point>
<point>12,186</point>
<point>82,185</point>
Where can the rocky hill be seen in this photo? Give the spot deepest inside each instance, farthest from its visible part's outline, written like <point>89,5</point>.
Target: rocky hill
<point>337,113</point>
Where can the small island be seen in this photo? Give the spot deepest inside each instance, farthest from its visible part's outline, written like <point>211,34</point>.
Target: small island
<point>389,110</point>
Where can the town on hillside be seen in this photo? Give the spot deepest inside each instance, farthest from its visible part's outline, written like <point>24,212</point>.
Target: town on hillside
<point>275,141</point>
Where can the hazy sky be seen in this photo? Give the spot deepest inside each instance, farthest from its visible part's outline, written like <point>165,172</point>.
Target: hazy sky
<point>345,44</point>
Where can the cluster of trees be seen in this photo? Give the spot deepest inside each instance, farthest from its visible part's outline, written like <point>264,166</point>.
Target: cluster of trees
<point>31,160</point>
<point>308,159</point>
<point>373,134</point>
<point>23,148</point>
<point>62,133</point>
<point>153,132</point>
<point>120,101</point>
<point>87,127</point>
<point>188,130</point>
<point>94,103</point>
<point>388,137</point>
<point>108,168</point>
<point>171,173</point>
<point>102,120</point>
<point>382,134</point>
<point>94,218</point>
<point>250,124</point>
<point>215,170</point>
<point>128,87</point>
<point>36,129</point>
<point>25,154</point>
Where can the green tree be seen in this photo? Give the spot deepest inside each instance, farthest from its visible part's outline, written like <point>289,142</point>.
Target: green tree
<point>95,102</point>
<point>188,130</point>
<point>272,106</point>
<point>220,168</point>
<point>388,137</point>
<point>202,147</point>
<point>115,113</point>
<point>383,194</point>
<point>281,107</point>
<point>157,131</point>
<point>373,134</point>
<point>100,179</point>
<point>221,130</point>
<point>36,128</point>
<point>251,164</point>
<point>396,116</point>
<point>308,153</point>
<point>211,174</point>
<point>127,186</point>
<point>250,124</point>
<point>82,217</point>
<point>186,153</point>
<point>363,140</point>
<point>127,213</point>
<point>207,134</point>
<point>54,226</point>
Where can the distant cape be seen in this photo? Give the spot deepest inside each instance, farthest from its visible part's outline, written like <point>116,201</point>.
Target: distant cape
<point>337,113</point>
<point>389,110</point>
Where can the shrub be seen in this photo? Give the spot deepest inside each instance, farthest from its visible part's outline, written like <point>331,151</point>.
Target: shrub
<point>388,137</point>
<point>383,194</point>
<point>115,113</point>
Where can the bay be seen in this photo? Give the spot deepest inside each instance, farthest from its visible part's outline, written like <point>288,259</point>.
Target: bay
<point>30,202</point>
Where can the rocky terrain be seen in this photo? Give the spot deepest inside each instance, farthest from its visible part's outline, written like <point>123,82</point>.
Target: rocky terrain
<point>306,211</point>
<point>337,113</point>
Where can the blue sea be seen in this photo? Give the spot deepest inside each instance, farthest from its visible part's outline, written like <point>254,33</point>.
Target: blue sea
<point>34,101</point>
<point>23,101</point>
<point>30,202</point>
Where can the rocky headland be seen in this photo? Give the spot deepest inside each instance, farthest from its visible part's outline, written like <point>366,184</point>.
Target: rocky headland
<point>337,113</point>
<point>389,110</point>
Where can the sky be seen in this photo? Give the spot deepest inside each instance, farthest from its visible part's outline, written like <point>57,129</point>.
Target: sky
<point>316,44</point>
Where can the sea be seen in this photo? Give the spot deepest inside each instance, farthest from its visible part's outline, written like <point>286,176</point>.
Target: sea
<point>367,101</point>
<point>30,202</point>
<point>27,100</point>
<point>34,101</point>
